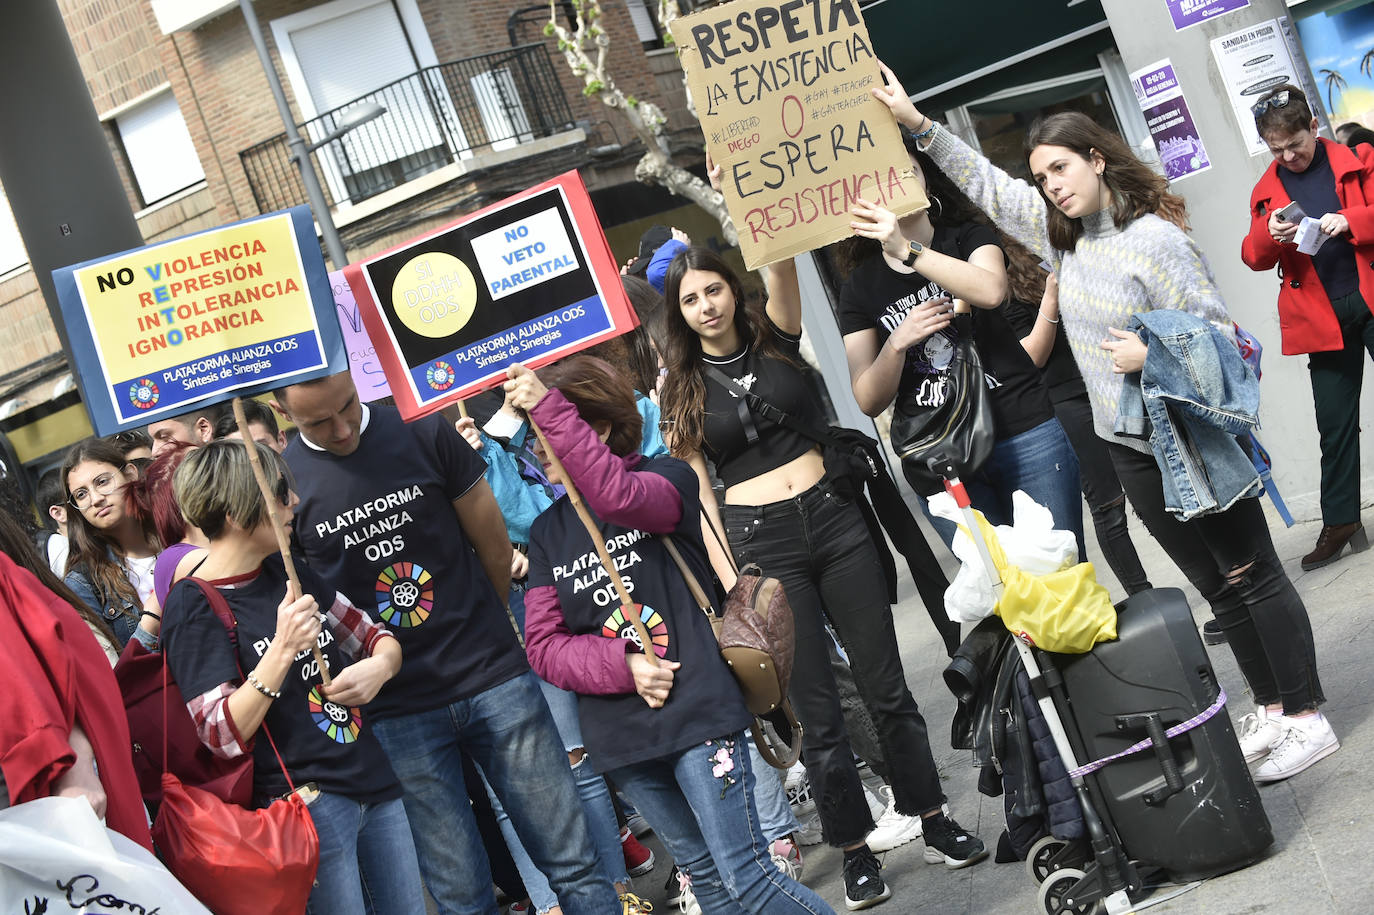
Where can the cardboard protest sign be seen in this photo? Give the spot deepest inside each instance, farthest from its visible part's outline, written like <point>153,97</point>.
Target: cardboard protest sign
<point>529,279</point>
<point>368,375</point>
<point>782,88</point>
<point>237,310</point>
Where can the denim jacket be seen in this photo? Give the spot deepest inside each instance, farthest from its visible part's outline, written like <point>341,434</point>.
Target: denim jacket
<point>1191,399</point>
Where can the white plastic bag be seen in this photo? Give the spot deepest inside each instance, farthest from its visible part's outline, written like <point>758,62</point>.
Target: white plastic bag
<point>55,856</point>
<point>1031,543</point>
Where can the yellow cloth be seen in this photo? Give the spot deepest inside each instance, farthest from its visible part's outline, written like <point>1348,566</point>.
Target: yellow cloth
<point>1065,611</point>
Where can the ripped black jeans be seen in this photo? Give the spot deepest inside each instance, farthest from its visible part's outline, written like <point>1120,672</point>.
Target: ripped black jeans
<point>1229,557</point>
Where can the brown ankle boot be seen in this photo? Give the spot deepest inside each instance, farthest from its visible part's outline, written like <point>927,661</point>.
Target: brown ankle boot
<point>1331,541</point>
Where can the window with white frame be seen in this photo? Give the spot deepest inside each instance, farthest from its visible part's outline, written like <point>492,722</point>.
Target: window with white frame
<point>158,147</point>
<point>349,50</point>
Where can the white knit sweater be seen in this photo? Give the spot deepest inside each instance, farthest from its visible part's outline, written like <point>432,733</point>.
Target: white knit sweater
<point>1112,273</point>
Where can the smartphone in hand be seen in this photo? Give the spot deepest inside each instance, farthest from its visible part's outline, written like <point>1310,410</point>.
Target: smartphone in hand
<point>1292,213</point>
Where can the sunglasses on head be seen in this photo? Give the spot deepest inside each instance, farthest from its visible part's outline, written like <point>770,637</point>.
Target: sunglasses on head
<point>1277,100</point>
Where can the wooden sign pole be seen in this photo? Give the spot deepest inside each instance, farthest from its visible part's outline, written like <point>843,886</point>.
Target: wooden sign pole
<point>626,602</point>
<point>269,498</point>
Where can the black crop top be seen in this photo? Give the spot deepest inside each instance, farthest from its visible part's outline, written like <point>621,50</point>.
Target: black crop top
<point>779,383</point>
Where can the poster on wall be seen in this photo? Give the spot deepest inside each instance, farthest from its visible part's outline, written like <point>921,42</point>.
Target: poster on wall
<point>1171,124</point>
<point>1187,13</point>
<point>529,279</point>
<point>237,310</point>
<point>783,92</point>
<point>1340,50</point>
<point>368,376</point>
<point>1252,61</point>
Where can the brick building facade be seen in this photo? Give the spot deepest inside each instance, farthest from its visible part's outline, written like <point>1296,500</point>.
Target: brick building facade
<point>182,93</point>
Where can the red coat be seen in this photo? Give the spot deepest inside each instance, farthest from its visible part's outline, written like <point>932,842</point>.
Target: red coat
<point>53,673</point>
<point>1307,323</point>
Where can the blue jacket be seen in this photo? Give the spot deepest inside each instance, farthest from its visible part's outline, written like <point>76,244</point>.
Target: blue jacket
<point>1192,398</point>
<point>658,266</point>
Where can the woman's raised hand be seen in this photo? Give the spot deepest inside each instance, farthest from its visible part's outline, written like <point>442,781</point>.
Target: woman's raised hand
<point>713,171</point>
<point>880,224</point>
<point>523,387</point>
<point>895,98</point>
<point>298,624</point>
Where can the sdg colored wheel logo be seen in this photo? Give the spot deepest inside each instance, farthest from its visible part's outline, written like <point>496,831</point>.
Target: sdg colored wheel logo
<point>340,724</point>
<point>405,595</point>
<point>143,393</point>
<point>617,626</point>
<point>440,376</point>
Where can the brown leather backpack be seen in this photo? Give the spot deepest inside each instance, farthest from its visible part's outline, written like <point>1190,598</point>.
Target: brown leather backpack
<point>757,640</point>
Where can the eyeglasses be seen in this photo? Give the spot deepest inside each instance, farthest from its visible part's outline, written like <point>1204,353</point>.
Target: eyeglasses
<point>1277,100</point>
<point>104,484</point>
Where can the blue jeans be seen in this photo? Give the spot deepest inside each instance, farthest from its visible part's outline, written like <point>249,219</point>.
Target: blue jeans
<point>591,789</point>
<point>776,818</point>
<point>1040,462</point>
<point>367,860</point>
<point>509,733</point>
<point>702,807</point>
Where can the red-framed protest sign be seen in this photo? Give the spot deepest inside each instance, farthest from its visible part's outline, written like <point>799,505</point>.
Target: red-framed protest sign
<point>530,279</point>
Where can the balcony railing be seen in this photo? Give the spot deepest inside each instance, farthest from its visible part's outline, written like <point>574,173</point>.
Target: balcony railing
<point>434,117</point>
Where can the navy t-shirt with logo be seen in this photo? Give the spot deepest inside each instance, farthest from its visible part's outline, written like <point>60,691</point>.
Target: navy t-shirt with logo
<point>379,525</point>
<point>704,702</point>
<point>878,297</point>
<point>319,741</point>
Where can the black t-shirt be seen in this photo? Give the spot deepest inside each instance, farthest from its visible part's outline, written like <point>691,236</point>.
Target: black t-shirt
<point>1315,191</point>
<point>379,524</point>
<point>777,382</point>
<point>705,702</point>
<point>1060,374</point>
<point>879,298</point>
<point>319,741</point>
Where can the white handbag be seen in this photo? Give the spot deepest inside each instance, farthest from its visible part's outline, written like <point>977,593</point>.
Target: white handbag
<point>56,857</point>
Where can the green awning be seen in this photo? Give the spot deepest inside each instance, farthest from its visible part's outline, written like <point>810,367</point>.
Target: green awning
<point>951,53</point>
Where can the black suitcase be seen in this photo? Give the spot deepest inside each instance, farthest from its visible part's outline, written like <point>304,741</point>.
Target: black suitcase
<point>1157,675</point>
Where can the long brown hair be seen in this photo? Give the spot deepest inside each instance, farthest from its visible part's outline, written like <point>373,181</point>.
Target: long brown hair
<point>16,543</point>
<point>683,397</point>
<point>1136,189</point>
<point>90,548</point>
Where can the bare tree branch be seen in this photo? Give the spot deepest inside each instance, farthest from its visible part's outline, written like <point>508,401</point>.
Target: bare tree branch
<point>585,48</point>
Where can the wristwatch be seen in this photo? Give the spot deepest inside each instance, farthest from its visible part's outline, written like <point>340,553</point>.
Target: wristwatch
<point>914,249</point>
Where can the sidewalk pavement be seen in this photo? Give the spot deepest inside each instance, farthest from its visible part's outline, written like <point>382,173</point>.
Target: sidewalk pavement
<point>1323,819</point>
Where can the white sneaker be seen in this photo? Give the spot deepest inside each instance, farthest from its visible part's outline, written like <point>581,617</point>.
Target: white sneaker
<point>798,788</point>
<point>809,832</point>
<point>687,900</point>
<point>1304,742</point>
<point>893,828</point>
<point>875,806</point>
<point>1258,733</point>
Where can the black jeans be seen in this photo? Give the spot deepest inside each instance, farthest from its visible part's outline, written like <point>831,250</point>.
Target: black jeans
<point>1102,489</point>
<point>1230,558</point>
<point>1336,378</point>
<point>817,545</point>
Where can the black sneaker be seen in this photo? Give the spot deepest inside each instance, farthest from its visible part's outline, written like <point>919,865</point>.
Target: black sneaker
<point>863,885</point>
<point>675,888</point>
<point>949,843</point>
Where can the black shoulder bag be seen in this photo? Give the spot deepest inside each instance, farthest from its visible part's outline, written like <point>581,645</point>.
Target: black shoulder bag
<point>959,431</point>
